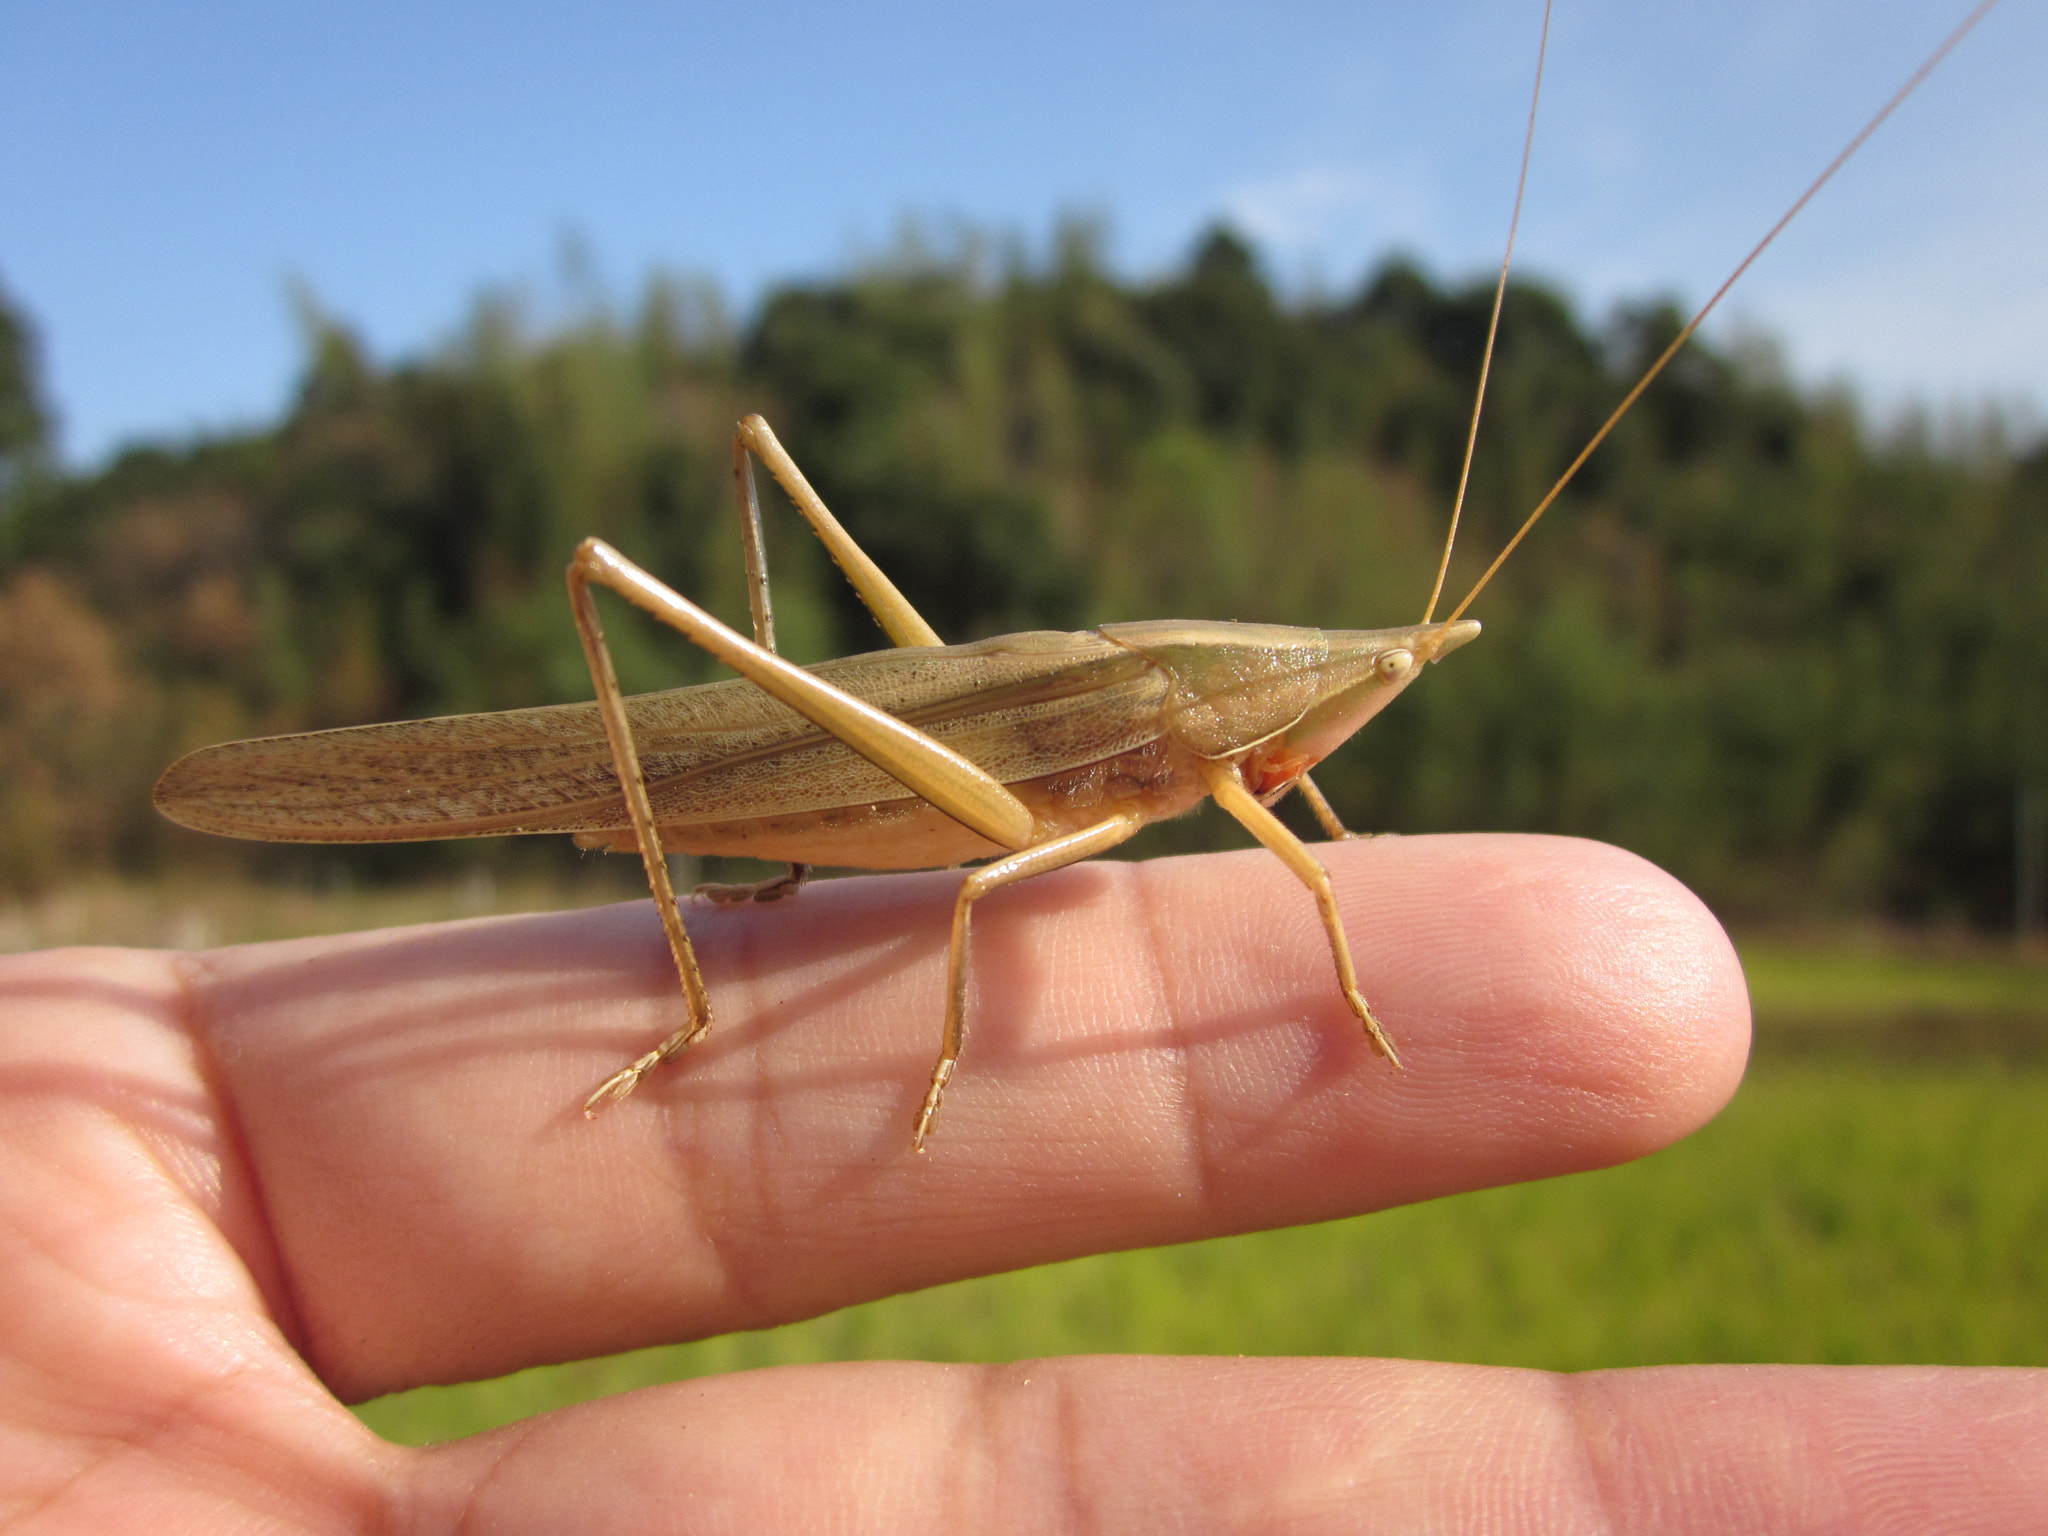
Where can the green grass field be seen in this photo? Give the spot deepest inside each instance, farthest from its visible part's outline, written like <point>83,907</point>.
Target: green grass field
<point>1877,1192</point>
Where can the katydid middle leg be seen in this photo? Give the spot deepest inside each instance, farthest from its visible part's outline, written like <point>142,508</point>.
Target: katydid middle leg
<point>1053,854</point>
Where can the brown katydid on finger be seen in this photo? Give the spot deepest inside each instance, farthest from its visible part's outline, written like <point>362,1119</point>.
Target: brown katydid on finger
<point>1034,750</point>
<point>1039,749</point>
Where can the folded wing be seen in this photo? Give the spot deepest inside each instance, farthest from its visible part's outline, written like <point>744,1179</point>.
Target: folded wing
<point>1020,706</point>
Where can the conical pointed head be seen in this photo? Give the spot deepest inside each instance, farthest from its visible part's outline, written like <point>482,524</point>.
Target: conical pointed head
<point>1366,670</point>
<point>1299,693</point>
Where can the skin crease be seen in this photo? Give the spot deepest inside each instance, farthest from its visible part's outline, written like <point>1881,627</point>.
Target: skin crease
<point>238,1185</point>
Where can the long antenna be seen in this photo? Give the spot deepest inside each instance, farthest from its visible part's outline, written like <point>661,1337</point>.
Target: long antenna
<point>1948,45</point>
<point>1500,293</point>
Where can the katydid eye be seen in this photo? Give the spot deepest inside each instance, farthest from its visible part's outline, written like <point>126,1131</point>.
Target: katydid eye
<point>1394,665</point>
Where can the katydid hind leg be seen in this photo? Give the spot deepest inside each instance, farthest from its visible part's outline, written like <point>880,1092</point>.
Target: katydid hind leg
<point>922,765</point>
<point>926,767</point>
<point>892,610</point>
<point>633,784</point>
<point>1056,853</point>
<point>1227,788</point>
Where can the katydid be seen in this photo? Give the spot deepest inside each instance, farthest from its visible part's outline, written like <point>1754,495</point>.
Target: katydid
<point>1032,750</point>
<point>1039,749</point>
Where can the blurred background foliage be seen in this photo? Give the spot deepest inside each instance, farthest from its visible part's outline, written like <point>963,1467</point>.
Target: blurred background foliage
<point>1791,658</point>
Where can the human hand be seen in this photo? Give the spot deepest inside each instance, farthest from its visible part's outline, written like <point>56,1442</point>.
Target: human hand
<point>241,1187</point>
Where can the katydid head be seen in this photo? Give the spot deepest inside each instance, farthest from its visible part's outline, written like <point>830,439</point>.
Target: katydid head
<point>1365,670</point>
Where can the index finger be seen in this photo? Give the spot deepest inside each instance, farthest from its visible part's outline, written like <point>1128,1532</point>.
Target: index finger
<point>1158,1053</point>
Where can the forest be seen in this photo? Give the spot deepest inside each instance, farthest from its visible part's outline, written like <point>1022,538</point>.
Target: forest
<point>1790,656</point>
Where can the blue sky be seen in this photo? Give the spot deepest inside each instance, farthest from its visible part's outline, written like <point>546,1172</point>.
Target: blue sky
<point>168,171</point>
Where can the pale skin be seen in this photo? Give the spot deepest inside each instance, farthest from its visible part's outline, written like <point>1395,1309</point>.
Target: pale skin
<point>239,1186</point>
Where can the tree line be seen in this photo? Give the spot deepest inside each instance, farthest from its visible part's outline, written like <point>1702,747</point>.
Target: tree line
<point>1791,658</point>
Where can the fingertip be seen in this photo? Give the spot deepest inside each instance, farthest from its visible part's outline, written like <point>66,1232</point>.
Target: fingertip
<point>1663,1026</point>
<point>1574,977</point>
